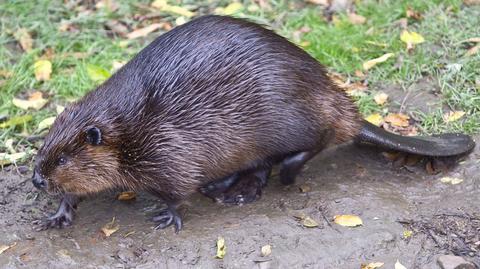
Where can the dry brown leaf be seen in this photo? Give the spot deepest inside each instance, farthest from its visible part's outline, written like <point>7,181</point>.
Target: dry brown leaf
<point>359,74</point>
<point>42,69</point>
<point>127,195</point>
<point>110,228</point>
<point>375,119</point>
<point>320,2</point>
<point>397,119</point>
<point>472,40</point>
<point>24,38</point>
<point>372,265</point>
<point>4,248</point>
<point>371,63</point>
<point>305,188</point>
<point>348,220</point>
<point>5,73</point>
<point>413,14</point>
<point>471,2</point>
<point>144,31</point>
<point>266,250</point>
<point>356,19</point>
<point>453,116</point>
<point>473,50</point>
<point>380,98</point>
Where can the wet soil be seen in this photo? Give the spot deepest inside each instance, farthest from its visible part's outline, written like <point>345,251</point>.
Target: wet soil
<point>342,180</point>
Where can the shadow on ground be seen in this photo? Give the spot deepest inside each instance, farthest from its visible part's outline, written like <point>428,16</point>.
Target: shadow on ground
<point>343,180</point>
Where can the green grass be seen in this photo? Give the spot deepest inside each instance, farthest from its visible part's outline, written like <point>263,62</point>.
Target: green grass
<point>340,45</point>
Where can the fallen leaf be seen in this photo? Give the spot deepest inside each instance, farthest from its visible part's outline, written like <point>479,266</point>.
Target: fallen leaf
<point>9,145</point>
<point>471,2</point>
<point>110,228</point>
<point>126,195</point>
<point>266,250</point>
<point>24,38</point>
<point>35,101</point>
<point>380,98</point>
<point>372,265</point>
<point>371,63</point>
<point>164,6</point>
<point>144,31</point>
<point>4,248</point>
<point>398,265</point>
<point>46,123</point>
<point>59,109</point>
<point>473,50</point>
<point>16,121</point>
<point>472,40</point>
<point>6,158</point>
<point>407,234</point>
<point>118,64</point>
<point>221,248</point>
<point>97,73</point>
<point>410,13</point>
<point>411,39</point>
<point>320,2</point>
<point>453,116</point>
<point>356,19</point>
<point>451,180</point>
<point>309,222</point>
<point>375,119</point>
<point>5,73</point>
<point>180,20</point>
<point>42,69</point>
<point>110,5</point>
<point>359,74</point>
<point>233,8</point>
<point>397,119</point>
<point>305,188</point>
<point>348,220</point>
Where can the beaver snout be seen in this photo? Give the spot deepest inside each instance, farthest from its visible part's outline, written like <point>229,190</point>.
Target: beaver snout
<point>38,181</point>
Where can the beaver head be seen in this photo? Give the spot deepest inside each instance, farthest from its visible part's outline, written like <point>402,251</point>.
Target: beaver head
<point>79,154</point>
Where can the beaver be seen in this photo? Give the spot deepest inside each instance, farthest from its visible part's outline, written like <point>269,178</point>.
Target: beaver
<point>212,102</point>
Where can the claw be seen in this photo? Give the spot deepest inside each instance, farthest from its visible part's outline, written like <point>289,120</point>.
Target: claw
<point>167,217</point>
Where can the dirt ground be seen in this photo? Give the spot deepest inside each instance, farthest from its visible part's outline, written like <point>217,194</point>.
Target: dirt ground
<point>342,180</point>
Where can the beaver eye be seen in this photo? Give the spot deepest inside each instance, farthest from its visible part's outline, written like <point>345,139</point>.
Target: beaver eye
<point>62,161</point>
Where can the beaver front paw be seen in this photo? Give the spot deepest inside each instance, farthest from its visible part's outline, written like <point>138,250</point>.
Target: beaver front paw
<point>168,217</point>
<point>54,221</point>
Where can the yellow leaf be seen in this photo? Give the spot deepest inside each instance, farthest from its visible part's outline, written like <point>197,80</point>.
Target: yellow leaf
<point>407,234</point>
<point>397,119</point>
<point>16,121</point>
<point>221,248</point>
<point>380,98</point>
<point>110,228</point>
<point>398,265</point>
<point>451,180</point>
<point>35,101</point>
<point>371,63</point>
<point>233,8</point>
<point>164,6</point>
<point>6,158</point>
<point>42,69</point>
<point>126,195</point>
<point>46,123</point>
<point>4,248</point>
<point>348,220</point>
<point>375,119</point>
<point>309,222</point>
<point>118,64</point>
<point>159,3</point>
<point>97,73</point>
<point>266,250</point>
<point>144,31</point>
<point>372,265</point>
<point>453,116</point>
<point>411,38</point>
<point>59,109</point>
<point>24,38</point>
<point>180,20</point>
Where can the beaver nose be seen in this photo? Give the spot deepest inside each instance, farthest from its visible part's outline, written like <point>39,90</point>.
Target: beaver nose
<point>38,181</point>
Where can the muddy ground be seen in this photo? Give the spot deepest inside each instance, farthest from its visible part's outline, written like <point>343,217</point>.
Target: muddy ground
<point>343,180</point>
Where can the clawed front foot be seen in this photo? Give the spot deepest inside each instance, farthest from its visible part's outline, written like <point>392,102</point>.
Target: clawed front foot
<point>62,218</point>
<point>168,216</point>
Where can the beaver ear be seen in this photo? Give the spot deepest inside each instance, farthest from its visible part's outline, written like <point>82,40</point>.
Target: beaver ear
<point>94,136</point>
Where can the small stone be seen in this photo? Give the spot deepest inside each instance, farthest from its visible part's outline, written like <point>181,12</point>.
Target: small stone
<point>454,262</point>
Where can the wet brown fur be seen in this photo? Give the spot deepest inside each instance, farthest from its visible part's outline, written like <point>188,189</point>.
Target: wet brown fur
<point>212,97</point>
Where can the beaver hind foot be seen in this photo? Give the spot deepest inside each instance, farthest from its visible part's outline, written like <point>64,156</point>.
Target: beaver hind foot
<point>167,217</point>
